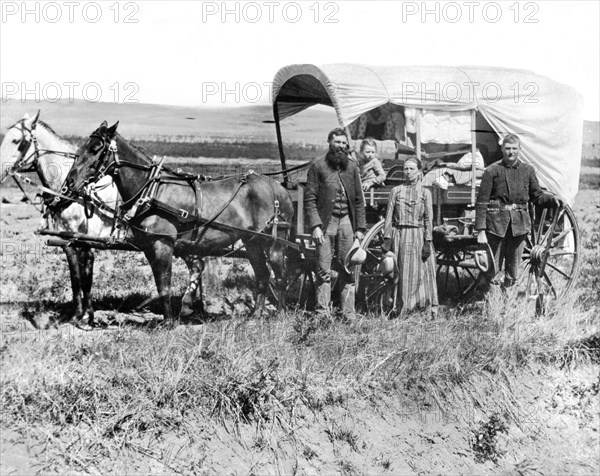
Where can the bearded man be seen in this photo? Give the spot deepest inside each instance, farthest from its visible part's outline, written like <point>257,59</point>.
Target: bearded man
<point>335,210</point>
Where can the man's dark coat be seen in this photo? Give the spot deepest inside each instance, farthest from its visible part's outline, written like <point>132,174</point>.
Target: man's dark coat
<point>502,185</point>
<point>321,188</point>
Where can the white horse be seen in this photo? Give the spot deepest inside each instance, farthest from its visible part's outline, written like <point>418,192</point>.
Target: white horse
<point>32,144</point>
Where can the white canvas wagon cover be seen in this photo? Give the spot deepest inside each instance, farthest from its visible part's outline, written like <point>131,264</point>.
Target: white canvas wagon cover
<point>546,115</point>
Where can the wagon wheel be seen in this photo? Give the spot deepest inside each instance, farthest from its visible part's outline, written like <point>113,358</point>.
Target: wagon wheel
<point>460,271</point>
<point>299,292</point>
<point>375,292</point>
<point>550,258</point>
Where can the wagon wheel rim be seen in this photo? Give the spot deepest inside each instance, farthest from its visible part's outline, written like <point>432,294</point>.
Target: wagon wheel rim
<point>550,263</point>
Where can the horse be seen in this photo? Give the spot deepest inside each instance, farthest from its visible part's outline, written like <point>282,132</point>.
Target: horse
<point>32,144</point>
<point>172,213</point>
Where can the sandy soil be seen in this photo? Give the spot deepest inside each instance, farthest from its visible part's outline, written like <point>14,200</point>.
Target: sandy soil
<point>556,433</point>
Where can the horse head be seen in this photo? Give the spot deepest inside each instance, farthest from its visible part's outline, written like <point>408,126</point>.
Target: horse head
<point>95,158</point>
<point>17,151</point>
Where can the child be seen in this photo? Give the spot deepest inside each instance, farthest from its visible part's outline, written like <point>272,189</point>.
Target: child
<point>371,170</point>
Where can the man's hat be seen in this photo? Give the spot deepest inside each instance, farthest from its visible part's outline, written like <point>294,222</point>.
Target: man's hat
<point>356,255</point>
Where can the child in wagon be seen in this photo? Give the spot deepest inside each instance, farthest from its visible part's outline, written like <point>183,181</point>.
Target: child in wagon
<point>371,170</point>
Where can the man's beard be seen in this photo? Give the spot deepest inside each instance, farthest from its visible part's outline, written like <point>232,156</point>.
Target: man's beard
<point>337,160</point>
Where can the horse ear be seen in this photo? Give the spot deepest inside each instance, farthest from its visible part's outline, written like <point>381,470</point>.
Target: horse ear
<point>112,130</point>
<point>104,124</point>
<point>35,119</point>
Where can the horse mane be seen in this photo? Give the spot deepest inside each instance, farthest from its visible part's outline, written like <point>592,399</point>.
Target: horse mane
<point>137,148</point>
<point>49,129</point>
<point>140,149</point>
<point>47,126</point>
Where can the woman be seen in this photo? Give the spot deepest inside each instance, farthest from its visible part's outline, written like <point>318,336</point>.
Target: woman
<point>407,233</point>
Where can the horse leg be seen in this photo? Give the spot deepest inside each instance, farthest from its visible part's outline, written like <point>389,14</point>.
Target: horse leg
<point>193,293</point>
<point>74,271</point>
<point>278,265</point>
<point>256,256</point>
<point>159,254</point>
<point>86,266</point>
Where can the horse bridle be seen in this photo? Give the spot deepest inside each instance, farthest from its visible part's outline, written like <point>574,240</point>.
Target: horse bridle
<point>108,148</point>
<point>22,148</point>
<point>15,169</point>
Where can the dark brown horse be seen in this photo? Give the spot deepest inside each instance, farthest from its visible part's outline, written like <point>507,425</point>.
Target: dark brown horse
<point>182,216</point>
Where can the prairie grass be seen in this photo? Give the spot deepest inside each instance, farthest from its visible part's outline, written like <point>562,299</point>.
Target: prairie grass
<point>123,384</point>
<point>93,395</point>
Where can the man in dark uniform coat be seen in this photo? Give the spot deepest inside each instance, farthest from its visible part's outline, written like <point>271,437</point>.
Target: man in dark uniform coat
<point>502,216</point>
<point>335,211</point>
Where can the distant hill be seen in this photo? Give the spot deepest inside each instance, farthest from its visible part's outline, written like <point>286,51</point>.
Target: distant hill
<point>154,121</point>
<point>185,124</point>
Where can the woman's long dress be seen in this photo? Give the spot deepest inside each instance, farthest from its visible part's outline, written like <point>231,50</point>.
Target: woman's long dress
<point>409,225</point>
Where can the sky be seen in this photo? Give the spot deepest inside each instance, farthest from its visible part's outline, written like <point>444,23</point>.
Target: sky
<point>194,53</point>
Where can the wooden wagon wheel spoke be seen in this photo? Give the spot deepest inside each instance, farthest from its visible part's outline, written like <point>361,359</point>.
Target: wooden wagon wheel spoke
<point>550,231</point>
<point>530,275</point>
<point>540,227</point>
<point>524,273</point>
<point>547,279</point>
<point>555,268</point>
<point>374,291</point>
<point>457,280</point>
<point>561,236</point>
<point>447,275</point>
<point>470,273</point>
<point>562,253</point>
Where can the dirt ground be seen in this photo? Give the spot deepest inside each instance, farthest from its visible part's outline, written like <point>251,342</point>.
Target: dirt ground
<point>557,434</point>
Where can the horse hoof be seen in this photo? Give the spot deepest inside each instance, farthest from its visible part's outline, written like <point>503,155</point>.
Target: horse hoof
<point>186,312</point>
<point>84,324</point>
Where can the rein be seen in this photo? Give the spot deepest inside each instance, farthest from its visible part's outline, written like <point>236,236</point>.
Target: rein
<point>286,171</point>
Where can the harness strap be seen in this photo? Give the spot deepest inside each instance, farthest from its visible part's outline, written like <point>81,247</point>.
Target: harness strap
<point>148,190</point>
<point>55,198</point>
<point>285,171</point>
<point>183,216</point>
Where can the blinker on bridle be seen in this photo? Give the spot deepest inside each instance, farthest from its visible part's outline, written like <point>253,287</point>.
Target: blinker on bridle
<point>25,143</point>
<point>107,149</point>
<point>22,149</point>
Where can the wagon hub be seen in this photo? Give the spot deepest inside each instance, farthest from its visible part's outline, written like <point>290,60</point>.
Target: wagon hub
<point>538,255</point>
